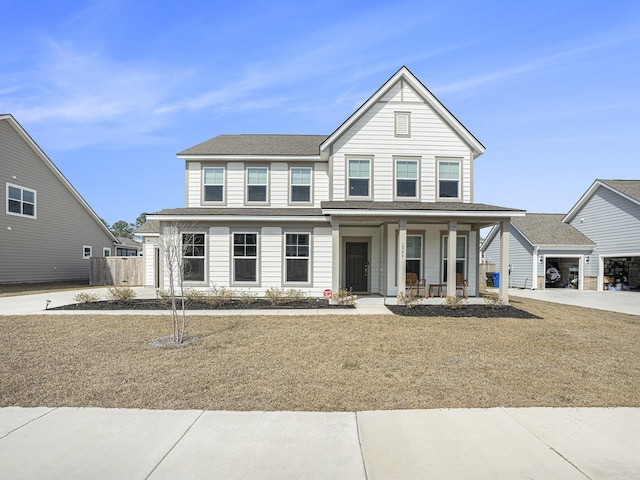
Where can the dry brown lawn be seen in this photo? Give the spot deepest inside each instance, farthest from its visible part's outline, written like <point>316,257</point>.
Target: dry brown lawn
<point>570,357</point>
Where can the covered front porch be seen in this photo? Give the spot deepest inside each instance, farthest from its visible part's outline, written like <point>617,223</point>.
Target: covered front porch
<point>374,249</point>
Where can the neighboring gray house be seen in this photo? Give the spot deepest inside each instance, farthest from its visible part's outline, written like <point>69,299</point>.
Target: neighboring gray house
<point>47,230</point>
<point>596,246</point>
<point>390,191</point>
<point>540,243</point>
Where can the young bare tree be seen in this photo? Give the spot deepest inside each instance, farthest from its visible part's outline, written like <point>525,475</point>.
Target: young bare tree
<point>175,244</point>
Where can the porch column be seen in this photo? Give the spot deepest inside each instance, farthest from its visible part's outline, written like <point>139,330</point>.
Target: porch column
<point>401,264</point>
<point>335,258</point>
<point>477,249</point>
<point>451,258</point>
<point>503,292</point>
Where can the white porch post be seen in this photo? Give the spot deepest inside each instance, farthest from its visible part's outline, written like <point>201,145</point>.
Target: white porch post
<point>503,292</point>
<point>401,266</point>
<point>451,258</point>
<point>335,258</point>
<point>476,230</point>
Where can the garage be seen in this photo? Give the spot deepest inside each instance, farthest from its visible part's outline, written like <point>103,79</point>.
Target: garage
<point>621,273</point>
<point>562,272</point>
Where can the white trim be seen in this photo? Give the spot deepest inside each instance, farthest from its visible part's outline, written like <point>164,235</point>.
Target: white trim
<point>344,212</point>
<point>588,194</point>
<point>356,158</point>
<point>236,218</point>
<point>254,158</point>
<point>232,269</point>
<point>395,178</point>
<point>105,250</point>
<point>22,189</point>
<point>84,254</point>
<point>291,185</point>
<point>205,257</point>
<point>308,282</point>
<point>440,161</point>
<point>204,185</point>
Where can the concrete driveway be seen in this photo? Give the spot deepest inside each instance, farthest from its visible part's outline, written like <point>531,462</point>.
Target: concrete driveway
<point>613,301</point>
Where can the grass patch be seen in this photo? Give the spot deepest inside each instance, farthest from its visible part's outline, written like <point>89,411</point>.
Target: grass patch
<point>569,356</point>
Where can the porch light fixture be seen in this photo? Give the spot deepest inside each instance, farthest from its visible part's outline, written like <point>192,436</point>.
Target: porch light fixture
<point>586,259</point>
<point>540,259</point>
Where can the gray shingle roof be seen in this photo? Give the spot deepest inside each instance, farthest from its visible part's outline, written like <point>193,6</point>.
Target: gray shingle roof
<point>454,206</point>
<point>258,145</point>
<point>129,242</point>
<point>264,212</point>
<point>150,226</point>
<point>630,188</point>
<point>548,229</point>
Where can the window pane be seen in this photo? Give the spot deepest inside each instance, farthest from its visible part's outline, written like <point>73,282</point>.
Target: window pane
<point>257,193</point>
<point>213,193</point>
<point>193,269</point>
<point>460,247</point>
<point>15,206</point>
<point>28,196</point>
<point>257,176</point>
<point>251,251</point>
<point>448,189</point>
<point>15,193</point>
<point>406,188</point>
<point>449,171</point>
<point>245,269</point>
<point>359,168</point>
<point>413,266</point>
<point>297,270</point>
<point>414,247</point>
<point>300,176</point>
<point>213,176</point>
<point>251,238</point>
<point>300,193</point>
<point>358,188</point>
<point>407,169</point>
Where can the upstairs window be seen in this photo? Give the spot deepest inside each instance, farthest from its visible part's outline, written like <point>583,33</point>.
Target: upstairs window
<point>359,173</point>
<point>193,257</point>
<point>213,184</point>
<point>407,179</point>
<point>448,179</point>
<point>257,184</point>
<point>402,124</point>
<point>245,257</point>
<point>300,184</point>
<point>297,257</point>
<point>21,201</point>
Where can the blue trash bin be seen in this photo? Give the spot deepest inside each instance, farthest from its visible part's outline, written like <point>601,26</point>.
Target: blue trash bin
<point>496,279</point>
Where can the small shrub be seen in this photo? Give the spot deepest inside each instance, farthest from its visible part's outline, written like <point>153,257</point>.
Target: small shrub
<point>121,294</point>
<point>247,297</point>
<point>494,302</point>
<point>192,295</point>
<point>86,297</point>
<point>295,296</point>
<point>218,296</point>
<point>276,296</point>
<point>409,300</point>
<point>454,302</point>
<point>343,297</point>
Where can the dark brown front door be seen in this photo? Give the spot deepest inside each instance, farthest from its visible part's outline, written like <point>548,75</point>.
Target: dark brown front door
<point>357,263</point>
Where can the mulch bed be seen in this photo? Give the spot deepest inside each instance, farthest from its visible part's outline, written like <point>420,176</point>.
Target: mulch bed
<point>154,304</point>
<point>475,311</point>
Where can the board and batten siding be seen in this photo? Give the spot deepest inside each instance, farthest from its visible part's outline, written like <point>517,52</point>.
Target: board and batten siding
<point>321,266</point>
<point>373,136</point>
<point>49,247</point>
<point>610,221</point>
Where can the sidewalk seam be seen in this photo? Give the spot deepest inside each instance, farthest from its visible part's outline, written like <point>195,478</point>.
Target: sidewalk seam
<point>545,443</point>
<point>364,465</point>
<point>174,445</point>
<point>25,424</point>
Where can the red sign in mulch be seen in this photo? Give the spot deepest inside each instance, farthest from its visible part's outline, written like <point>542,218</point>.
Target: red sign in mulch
<point>328,293</point>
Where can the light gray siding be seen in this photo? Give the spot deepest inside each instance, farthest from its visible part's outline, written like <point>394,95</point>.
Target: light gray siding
<point>49,247</point>
<point>612,222</point>
<point>521,261</point>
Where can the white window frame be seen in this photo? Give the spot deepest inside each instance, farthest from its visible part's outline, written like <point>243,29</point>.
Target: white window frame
<point>87,251</point>
<point>306,282</point>
<point>464,260</point>
<point>247,185</point>
<point>369,178</point>
<point>22,201</point>
<point>205,185</point>
<point>458,180</point>
<point>398,178</point>
<point>255,257</point>
<point>106,251</point>
<point>291,185</point>
<point>203,257</point>
<point>402,124</point>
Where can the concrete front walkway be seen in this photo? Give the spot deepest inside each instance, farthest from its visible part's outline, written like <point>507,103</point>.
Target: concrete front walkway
<point>613,301</point>
<point>496,443</point>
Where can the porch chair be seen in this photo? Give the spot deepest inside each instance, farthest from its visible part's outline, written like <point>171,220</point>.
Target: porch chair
<point>462,285</point>
<point>413,282</point>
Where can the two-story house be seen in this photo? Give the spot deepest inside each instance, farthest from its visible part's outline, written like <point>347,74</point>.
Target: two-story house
<point>390,191</point>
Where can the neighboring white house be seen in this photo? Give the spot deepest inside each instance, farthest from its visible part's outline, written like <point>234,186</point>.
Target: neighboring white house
<point>390,191</point>
<point>48,232</point>
<point>595,246</point>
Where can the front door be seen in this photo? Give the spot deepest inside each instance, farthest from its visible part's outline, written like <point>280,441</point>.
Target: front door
<point>357,267</point>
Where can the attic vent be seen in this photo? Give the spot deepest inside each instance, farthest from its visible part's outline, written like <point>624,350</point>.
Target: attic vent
<point>402,124</point>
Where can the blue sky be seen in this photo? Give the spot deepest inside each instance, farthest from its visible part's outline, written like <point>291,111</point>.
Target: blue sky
<point>112,90</point>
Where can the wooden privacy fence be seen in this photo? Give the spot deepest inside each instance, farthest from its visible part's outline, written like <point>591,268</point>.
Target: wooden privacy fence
<point>116,271</point>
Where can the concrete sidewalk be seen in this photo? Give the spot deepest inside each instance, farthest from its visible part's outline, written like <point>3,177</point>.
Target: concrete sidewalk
<point>496,443</point>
